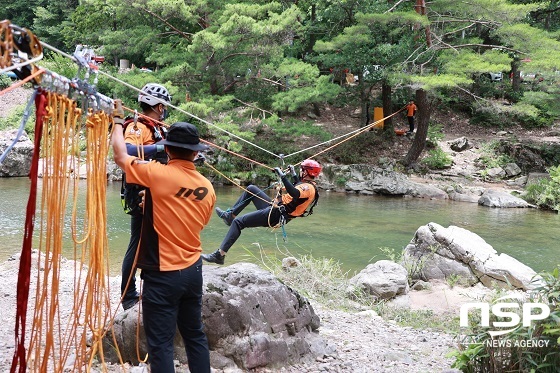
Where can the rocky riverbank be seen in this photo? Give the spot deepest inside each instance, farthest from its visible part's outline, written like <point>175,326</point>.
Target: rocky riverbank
<point>356,341</point>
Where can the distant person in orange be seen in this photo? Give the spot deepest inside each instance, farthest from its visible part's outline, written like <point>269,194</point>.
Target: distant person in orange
<point>410,112</point>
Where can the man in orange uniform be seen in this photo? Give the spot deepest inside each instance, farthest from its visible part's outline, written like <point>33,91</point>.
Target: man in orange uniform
<point>410,112</point>
<point>289,206</point>
<point>141,136</point>
<point>178,204</point>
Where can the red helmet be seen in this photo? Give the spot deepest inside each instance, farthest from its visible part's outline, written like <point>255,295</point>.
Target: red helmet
<point>312,167</point>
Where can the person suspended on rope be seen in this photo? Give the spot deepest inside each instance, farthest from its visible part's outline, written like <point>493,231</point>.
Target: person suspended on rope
<point>178,203</point>
<point>141,135</point>
<point>301,194</point>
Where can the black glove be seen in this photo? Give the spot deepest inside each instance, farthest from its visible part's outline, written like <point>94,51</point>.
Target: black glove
<point>199,160</point>
<point>279,172</point>
<point>292,170</point>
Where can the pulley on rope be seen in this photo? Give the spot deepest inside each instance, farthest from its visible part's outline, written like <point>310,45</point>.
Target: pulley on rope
<point>19,50</point>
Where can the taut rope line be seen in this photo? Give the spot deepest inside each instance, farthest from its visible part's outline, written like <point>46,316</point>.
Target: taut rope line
<point>237,184</point>
<point>202,140</point>
<point>354,133</point>
<point>166,103</point>
<point>22,82</point>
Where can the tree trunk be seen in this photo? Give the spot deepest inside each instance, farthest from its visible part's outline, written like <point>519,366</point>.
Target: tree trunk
<point>388,128</point>
<point>313,33</point>
<point>364,102</point>
<point>316,109</point>
<point>423,119</point>
<point>515,77</point>
<point>420,8</point>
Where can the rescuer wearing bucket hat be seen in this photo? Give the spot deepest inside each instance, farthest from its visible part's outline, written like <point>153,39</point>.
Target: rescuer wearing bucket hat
<point>178,203</point>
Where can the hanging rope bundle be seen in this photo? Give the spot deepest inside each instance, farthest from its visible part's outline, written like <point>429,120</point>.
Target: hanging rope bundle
<point>57,342</point>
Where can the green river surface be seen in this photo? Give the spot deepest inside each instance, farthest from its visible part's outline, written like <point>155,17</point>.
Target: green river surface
<point>350,229</point>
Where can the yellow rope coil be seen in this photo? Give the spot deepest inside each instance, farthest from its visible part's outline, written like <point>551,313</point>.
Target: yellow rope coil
<point>72,342</point>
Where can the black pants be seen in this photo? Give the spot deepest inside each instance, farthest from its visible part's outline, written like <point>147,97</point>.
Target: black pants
<point>127,269</point>
<point>172,300</point>
<point>411,123</point>
<point>263,217</point>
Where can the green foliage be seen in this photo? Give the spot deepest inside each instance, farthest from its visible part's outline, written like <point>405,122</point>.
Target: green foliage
<point>319,279</point>
<point>5,81</point>
<point>483,86</point>
<point>435,134</point>
<point>490,157</point>
<point>467,62</point>
<point>533,108</point>
<point>51,21</point>
<point>60,65</point>
<point>453,279</point>
<point>291,130</point>
<point>550,153</point>
<point>304,90</point>
<point>477,355</point>
<point>489,115</point>
<point>538,108</point>
<point>419,319</point>
<point>437,159</point>
<point>13,120</point>
<point>20,13</point>
<point>545,192</point>
<point>392,254</point>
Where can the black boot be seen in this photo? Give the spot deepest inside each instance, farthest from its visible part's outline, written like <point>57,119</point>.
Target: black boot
<point>226,216</point>
<point>215,257</point>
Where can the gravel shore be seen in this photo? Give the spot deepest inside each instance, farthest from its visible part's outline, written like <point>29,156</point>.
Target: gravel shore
<point>359,342</point>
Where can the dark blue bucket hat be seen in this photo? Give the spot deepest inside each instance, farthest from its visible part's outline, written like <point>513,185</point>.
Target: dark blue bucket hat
<point>183,135</point>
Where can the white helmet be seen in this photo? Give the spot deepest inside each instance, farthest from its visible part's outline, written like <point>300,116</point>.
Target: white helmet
<point>155,90</point>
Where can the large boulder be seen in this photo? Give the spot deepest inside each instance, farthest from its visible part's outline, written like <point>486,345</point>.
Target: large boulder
<point>458,192</point>
<point>18,160</point>
<point>436,252</point>
<point>383,279</point>
<point>498,198</point>
<point>369,180</point>
<point>250,318</point>
<point>460,144</point>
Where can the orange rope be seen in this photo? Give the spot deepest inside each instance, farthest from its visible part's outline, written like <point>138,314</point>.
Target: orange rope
<point>236,184</point>
<point>201,140</point>
<point>366,128</point>
<point>57,343</point>
<point>22,82</point>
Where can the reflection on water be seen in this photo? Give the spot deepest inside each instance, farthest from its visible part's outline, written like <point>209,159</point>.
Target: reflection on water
<point>348,228</point>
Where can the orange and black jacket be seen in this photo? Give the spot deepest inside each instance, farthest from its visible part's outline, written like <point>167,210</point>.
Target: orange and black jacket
<point>179,202</point>
<point>299,197</point>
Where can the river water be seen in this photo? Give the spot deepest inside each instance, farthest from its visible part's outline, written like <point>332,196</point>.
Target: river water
<point>350,229</point>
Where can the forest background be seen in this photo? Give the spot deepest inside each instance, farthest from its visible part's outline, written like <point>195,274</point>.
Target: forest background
<point>262,69</point>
